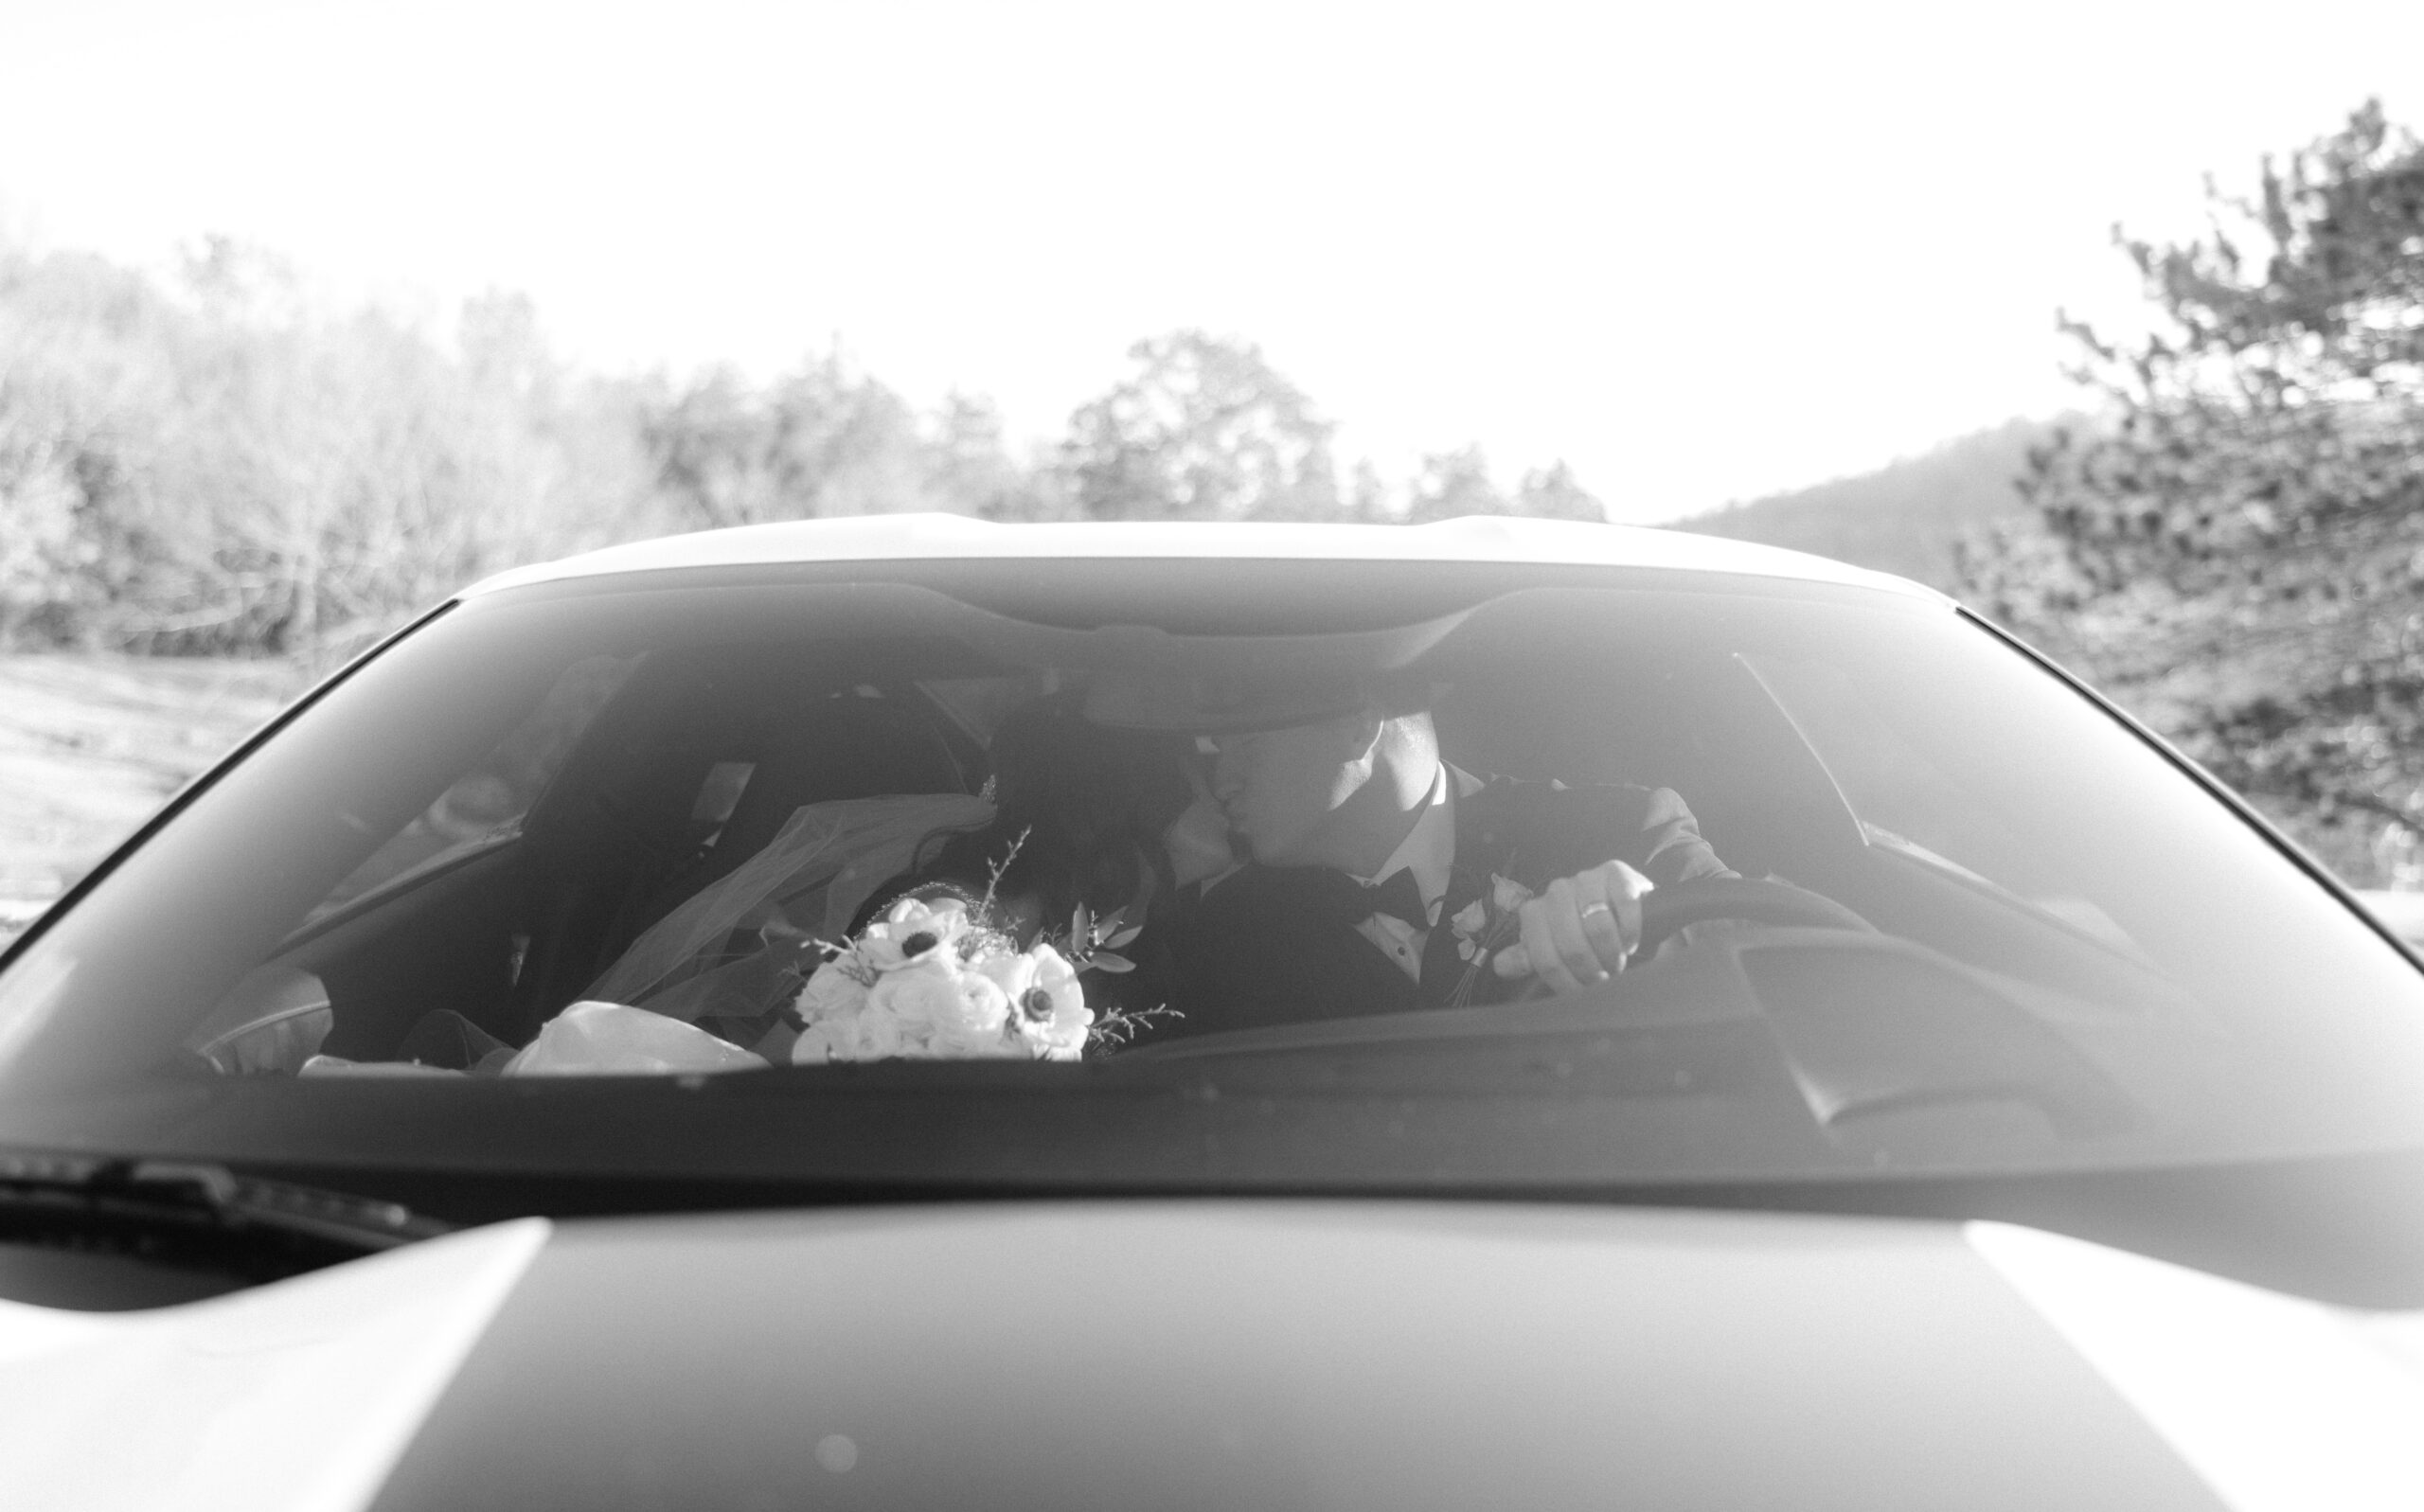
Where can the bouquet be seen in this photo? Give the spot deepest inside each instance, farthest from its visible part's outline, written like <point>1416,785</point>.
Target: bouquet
<point>927,982</point>
<point>932,980</point>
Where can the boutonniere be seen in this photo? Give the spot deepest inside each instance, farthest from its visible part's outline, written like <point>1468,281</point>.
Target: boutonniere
<point>1490,921</point>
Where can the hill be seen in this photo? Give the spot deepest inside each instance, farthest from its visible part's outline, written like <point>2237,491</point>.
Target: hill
<point>1904,517</point>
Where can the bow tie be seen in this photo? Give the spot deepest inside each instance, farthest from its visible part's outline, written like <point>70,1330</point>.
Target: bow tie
<point>1397,895</point>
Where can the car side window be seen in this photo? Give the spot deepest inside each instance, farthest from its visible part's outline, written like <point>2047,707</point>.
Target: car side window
<point>1906,802</point>
<point>487,804</point>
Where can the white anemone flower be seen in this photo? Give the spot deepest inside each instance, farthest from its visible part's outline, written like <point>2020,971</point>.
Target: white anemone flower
<point>1048,1007</point>
<point>913,930</point>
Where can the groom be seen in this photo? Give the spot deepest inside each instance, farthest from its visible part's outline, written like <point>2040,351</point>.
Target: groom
<point>1384,880</point>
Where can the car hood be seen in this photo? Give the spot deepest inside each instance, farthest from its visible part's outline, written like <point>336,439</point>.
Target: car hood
<point>1272,1353</point>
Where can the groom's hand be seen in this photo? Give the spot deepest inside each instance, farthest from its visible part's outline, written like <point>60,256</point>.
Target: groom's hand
<point>1578,930</point>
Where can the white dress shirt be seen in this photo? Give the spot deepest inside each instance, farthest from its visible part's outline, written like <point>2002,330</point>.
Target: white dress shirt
<point>1428,850</point>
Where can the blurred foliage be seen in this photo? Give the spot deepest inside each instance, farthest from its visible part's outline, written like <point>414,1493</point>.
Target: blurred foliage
<point>824,440</point>
<point>217,468</point>
<point>1202,429</point>
<point>2236,541</point>
<point>1908,517</point>
<point>214,463</point>
<point>1450,484</point>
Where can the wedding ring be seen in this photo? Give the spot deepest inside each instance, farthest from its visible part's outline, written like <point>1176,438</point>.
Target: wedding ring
<point>1597,908</point>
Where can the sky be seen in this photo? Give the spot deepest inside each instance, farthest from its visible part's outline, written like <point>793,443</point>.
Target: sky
<point>1701,253</point>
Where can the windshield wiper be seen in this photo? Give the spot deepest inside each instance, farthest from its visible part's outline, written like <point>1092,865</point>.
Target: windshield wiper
<point>194,1214</point>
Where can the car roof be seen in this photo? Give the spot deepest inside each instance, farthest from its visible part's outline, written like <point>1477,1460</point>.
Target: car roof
<point>948,536</point>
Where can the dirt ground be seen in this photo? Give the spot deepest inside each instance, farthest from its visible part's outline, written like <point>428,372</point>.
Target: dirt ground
<point>90,746</point>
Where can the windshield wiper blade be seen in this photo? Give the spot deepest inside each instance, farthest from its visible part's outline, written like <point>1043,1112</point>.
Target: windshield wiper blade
<point>194,1212</point>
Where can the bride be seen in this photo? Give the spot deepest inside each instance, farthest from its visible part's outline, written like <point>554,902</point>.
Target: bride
<point>1116,819</point>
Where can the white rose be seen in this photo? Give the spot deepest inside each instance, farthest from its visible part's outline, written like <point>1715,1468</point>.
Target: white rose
<point>815,1046</point>
<point>831,993</point>
<point>984,1025</point>
<point>1508,895</point>
<point>920,998</point>
<point>1010,974</point>
<point>876,1037</point>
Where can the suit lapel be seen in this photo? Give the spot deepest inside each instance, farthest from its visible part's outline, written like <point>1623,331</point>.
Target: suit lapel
<point>1329,900</point>
<point>1268,947</point>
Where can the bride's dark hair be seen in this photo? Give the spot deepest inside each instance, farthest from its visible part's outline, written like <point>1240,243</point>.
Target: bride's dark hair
<point>1081,809</point>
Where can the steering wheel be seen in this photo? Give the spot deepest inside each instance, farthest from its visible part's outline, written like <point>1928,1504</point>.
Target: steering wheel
<point>1664,910</point>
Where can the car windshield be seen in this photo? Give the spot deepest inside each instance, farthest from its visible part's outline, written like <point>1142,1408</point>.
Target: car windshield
<point>633,876</point>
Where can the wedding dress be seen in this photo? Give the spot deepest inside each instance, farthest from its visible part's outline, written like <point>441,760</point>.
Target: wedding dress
<point>805,886</point>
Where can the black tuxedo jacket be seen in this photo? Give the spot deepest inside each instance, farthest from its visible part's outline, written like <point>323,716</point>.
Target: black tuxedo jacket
<point>1263,947</point>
